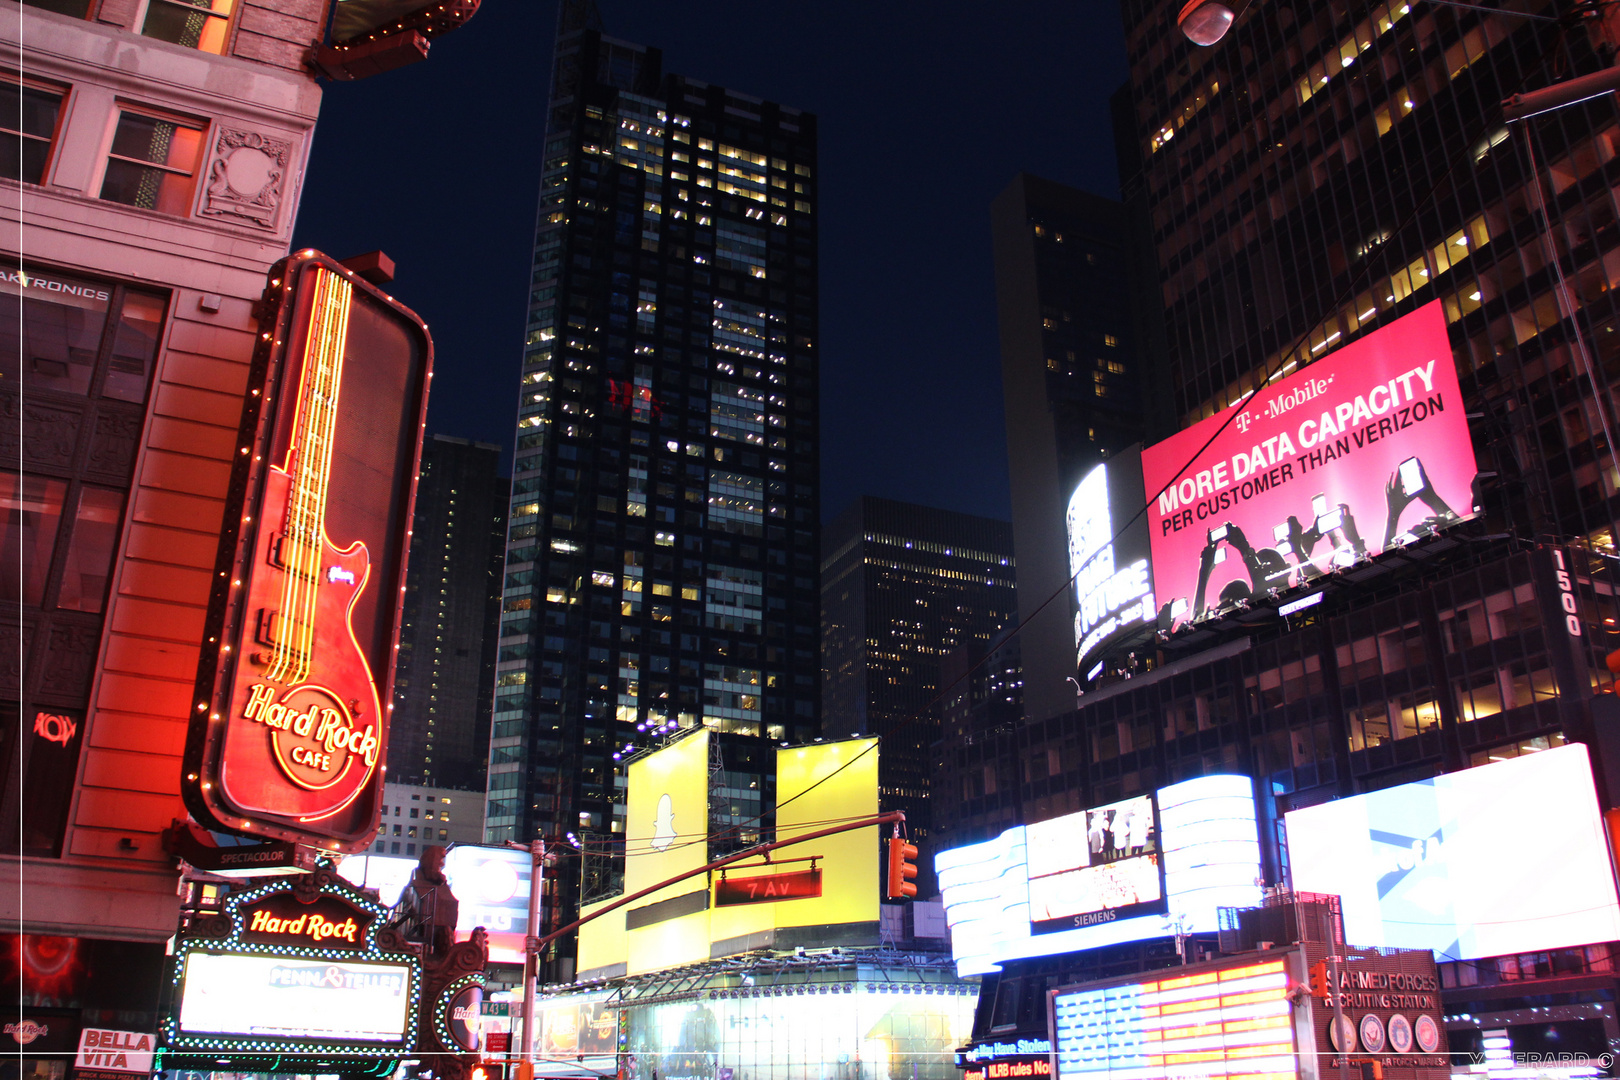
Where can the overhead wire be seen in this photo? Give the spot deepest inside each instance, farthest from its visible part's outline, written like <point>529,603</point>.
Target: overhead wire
<point>1377,260</point>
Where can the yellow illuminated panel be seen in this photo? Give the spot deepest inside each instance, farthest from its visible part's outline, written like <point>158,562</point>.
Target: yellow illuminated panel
<point>667,815</point>
<point>817,786</point>
<point>666,834</point>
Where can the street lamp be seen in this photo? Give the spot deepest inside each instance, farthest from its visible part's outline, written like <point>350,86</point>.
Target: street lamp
<point>1204,22</point>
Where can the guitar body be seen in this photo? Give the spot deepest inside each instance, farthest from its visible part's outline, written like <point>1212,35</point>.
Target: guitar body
<point>315,723</point>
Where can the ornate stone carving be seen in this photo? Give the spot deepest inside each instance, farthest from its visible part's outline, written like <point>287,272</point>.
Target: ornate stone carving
<point>112,451</point>
<point>246,177</point>
<point>11,653</point>
<point>70,653</point>
<point>49,434</point>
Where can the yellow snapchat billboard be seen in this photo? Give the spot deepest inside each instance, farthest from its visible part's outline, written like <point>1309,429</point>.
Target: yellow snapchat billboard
<point>815,786</point>
<point>697,919</point>
<point>667,834</point>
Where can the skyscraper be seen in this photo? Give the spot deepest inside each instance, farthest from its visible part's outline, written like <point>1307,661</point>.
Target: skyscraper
<point>903,588</point>
<point>661,561</point>
<point>1071,380</point>
<point>439,735</point>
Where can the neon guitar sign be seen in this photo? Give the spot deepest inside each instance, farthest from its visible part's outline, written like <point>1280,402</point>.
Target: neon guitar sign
<point>291,735</point>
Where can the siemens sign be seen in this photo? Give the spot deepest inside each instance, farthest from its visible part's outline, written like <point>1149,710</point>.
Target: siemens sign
<point>1206,838</point>
<point>1113,577</point>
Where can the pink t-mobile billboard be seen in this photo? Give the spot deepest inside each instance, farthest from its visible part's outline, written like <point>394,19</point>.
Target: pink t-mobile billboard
<point>1362,451</point>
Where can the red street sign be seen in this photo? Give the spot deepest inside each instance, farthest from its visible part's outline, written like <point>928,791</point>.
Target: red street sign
<point>797,885</point>
<point>497,1042</point>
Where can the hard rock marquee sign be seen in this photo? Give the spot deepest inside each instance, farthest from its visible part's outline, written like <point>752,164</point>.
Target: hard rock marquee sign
<point>289,730</point>
<point>303,966</point>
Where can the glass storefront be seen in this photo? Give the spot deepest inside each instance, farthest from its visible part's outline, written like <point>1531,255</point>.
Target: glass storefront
<point>801,1032</point>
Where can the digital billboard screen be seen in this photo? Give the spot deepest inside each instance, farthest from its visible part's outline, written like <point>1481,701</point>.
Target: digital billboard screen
<point>1206,841</point>
<point>1094,866</point>
<point>1109,557</point>
<point>1361,451</point>
<point>491,886</point>
<point>1504,858</point>
<point>1233,1021</point>
<point>282,997</point>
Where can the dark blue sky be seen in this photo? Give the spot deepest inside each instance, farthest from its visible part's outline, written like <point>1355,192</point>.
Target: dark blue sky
<point>927,110</point>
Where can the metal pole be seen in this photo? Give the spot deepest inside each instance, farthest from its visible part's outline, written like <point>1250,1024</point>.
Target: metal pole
<point>885,818</point>
<point>531,960</point>
<point>1334,987</point>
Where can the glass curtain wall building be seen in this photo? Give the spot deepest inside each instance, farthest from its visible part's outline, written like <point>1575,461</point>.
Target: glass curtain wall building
<point>1329,167</point>
<point>439,735</point>
<point>1072,383</point>
<point>1324,170</point>
<point>663,539</point>
<point>906,587</point>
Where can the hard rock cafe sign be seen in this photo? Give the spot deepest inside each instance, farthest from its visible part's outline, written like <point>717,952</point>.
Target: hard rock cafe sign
<point>292,917</point>
<point>289,734</point>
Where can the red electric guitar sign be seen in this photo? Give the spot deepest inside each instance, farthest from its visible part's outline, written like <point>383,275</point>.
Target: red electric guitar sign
<point>291,729</point>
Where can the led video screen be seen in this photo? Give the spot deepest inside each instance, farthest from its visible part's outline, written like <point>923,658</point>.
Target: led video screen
<point>1207,842</point>
<point>1504,858</point>
<point>1094,866</point>
<point>280,997</point>
<point>492,885</point>
<point>1213,1024</point>
<point>1362,451</point>
<point>1108,557</point>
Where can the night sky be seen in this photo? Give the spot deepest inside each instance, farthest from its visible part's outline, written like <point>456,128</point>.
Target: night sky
<point>927,110</point>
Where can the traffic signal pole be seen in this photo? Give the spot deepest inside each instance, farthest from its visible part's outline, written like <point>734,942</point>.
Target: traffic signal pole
<point>536,944</point>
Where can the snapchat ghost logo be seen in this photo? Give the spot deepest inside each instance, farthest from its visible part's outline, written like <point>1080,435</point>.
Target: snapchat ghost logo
<point>664,825</point>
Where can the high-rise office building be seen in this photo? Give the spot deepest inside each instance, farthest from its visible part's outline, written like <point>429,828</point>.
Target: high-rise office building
<point>1317,175</point>
<point>661,565</point>
<point>1071,380</point>
<point>984,695</point>
<point>903,588</point>
<point>439,734</point>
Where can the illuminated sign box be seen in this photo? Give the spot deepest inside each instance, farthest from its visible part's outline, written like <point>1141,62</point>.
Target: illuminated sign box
<point>289,733</point>
<point>1207,846</point>
<point>1504,858</point>
<point>287,998</point>
<point>1362,451</point>
<point>292,967</point>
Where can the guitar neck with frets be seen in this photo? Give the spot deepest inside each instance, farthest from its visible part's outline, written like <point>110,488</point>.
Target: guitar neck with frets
<point>289,629</point>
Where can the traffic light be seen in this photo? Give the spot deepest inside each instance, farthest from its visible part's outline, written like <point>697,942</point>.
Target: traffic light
<point>1319,980</point>
<point>1372,1070</point>
<point>901,869</point>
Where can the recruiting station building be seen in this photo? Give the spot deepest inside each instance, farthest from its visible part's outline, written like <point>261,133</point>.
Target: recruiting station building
<point>717,977</point>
